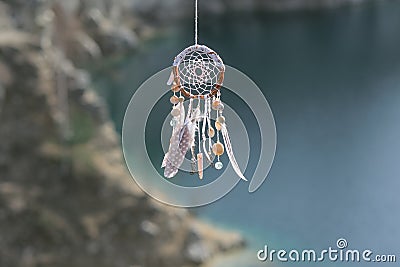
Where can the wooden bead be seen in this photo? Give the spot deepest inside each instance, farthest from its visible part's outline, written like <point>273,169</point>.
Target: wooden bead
<point>175,112</point>
<point>200,165</point>
<point>220,107</point>
<point>211,132</point>
<point>215,104</point>
<point>174,99</point>
<point>218,126</point>
<point>175,88</point>
<point>221,119</point>
<point>181,99</point>
<point>218,149</point>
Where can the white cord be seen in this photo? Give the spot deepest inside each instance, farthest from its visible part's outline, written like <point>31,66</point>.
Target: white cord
<point>196,33</point>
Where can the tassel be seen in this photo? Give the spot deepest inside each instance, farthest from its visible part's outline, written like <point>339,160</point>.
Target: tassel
<point>229,150</point>
<point>190,110</point>
<point>205,121</point>
<point>182,115</point>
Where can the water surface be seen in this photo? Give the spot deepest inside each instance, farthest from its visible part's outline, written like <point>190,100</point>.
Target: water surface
<point>332,79</point>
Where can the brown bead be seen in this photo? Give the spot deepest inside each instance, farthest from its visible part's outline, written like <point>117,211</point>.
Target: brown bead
<point>221,119</point>
<point>175,88</point>
<point>181,99</point>
<point>211,132</point>
<point>218,126</point>
<point>215,104</point>
<point>174,99</point>
<point>220,107</point>
<point>218,149</point>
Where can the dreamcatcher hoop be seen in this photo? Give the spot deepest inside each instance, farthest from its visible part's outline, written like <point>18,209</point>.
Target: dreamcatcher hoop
<point>197,72</point>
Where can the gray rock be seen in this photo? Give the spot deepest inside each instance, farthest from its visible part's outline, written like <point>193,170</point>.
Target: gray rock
<point>150,228</point>
<point>110,37</point>
<point>2,93</point>
<point>198,252</point>
<point>6,21</point>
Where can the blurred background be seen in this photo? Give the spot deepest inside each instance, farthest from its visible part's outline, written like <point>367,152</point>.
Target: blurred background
<point>330,70</point>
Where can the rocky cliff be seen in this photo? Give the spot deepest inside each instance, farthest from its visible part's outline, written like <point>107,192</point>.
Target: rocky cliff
<point>169,10</point>
<point>66,198</point>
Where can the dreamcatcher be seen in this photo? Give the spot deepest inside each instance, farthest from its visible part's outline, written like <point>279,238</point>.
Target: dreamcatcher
<point>198,74</point>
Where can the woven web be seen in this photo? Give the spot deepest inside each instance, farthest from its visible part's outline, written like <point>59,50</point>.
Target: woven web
<point>198,72</point>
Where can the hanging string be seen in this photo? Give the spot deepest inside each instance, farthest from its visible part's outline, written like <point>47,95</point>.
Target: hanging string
<point>196,33</point>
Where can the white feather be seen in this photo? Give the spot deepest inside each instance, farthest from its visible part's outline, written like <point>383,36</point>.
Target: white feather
<point>229,151</point>
<point>171,78</point>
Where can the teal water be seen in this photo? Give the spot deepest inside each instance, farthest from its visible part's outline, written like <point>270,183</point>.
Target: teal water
<point>332,79</point>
